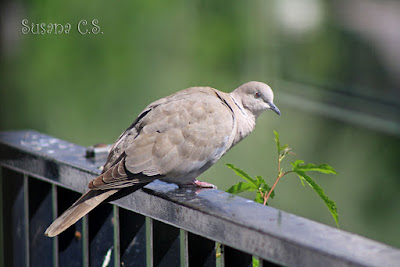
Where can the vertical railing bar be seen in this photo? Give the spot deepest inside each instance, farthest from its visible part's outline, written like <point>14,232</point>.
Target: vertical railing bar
<point>85,242</point>
<point>260,262</point>
<point>26,219</point>
<point>222,255</point>
<point>184,244</point>
<point>2,261</point>
<point>218,250</point>
<point>149,242</point>
<point>54,206</point>
<point>117,254</point>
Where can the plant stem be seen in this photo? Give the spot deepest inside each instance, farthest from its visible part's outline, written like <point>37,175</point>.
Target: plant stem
<point>279,164</point>
<point>276,181</point>
<point>262,195</point>
<point>273,187</point>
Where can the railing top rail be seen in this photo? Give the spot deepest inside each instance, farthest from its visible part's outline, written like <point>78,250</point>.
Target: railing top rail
<point>237,222</point>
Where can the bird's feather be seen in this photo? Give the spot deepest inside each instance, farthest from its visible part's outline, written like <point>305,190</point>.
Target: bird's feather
<point>80,208</point>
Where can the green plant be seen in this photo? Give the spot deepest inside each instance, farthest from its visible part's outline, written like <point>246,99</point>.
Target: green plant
<point>264,191</point>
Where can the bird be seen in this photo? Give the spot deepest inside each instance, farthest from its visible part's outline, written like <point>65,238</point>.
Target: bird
<point>174,139</point>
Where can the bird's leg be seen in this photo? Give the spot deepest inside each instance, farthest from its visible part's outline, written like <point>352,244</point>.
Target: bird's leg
<point>203,184</point>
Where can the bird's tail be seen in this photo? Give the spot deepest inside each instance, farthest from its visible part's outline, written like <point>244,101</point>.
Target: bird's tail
<point>80,208</point>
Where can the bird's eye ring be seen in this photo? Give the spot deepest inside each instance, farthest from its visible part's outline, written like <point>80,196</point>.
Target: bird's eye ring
<point>257,95</point>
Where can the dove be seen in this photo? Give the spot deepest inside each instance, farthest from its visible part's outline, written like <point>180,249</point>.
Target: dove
<point>174,139</point>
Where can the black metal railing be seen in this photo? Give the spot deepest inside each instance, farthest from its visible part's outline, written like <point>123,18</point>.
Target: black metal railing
<point>159,225</point>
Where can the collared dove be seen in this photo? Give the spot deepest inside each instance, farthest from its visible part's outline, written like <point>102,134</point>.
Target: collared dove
<point>174,139</point>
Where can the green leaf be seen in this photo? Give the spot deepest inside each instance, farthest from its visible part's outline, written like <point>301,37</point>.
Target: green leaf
<point>239,188</point>
<point>259,181</point>
<point>259,198</point>
<point>243,175</point>
<point>329,203</point>
<point>284,147</point>
<point>299,166</point>
<point>267,188</point>
<point>282,150</point>
<point>302,180</point>
<point>256,262</point>
<point>264,186</point>
<point>278,144</point>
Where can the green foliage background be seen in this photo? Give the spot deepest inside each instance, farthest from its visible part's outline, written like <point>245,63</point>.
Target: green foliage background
<point>88,88</point>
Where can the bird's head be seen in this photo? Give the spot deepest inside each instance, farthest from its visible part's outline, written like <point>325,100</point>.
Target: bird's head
<point>255,97</point>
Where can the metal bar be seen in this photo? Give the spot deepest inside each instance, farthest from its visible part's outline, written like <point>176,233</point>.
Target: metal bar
<point>2,262</point>
<point>117,241</point>
<point>54,213</point>
<point>239,223</point>
<point>85,241</point>
<point>149,242</point>
<point>184,248</point>
<point>26,220</point>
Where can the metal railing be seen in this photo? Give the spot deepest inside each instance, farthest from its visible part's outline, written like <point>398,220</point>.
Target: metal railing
<point>159,225</point>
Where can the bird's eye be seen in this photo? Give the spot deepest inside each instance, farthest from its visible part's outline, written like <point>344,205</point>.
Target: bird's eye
<point>257,95</point>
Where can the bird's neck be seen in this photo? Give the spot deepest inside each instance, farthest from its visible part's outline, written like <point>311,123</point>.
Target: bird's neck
<point>246,121</point>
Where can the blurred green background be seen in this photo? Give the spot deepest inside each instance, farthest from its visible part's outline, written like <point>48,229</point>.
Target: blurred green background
<point>334,68</point>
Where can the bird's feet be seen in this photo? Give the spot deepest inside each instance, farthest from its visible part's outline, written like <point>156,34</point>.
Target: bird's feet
<point>203,184</point>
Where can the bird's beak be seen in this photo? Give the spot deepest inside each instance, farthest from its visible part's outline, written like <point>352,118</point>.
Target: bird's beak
<point>275,108</point>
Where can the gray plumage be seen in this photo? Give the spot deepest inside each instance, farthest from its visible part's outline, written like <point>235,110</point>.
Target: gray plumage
<point>174,139</point>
